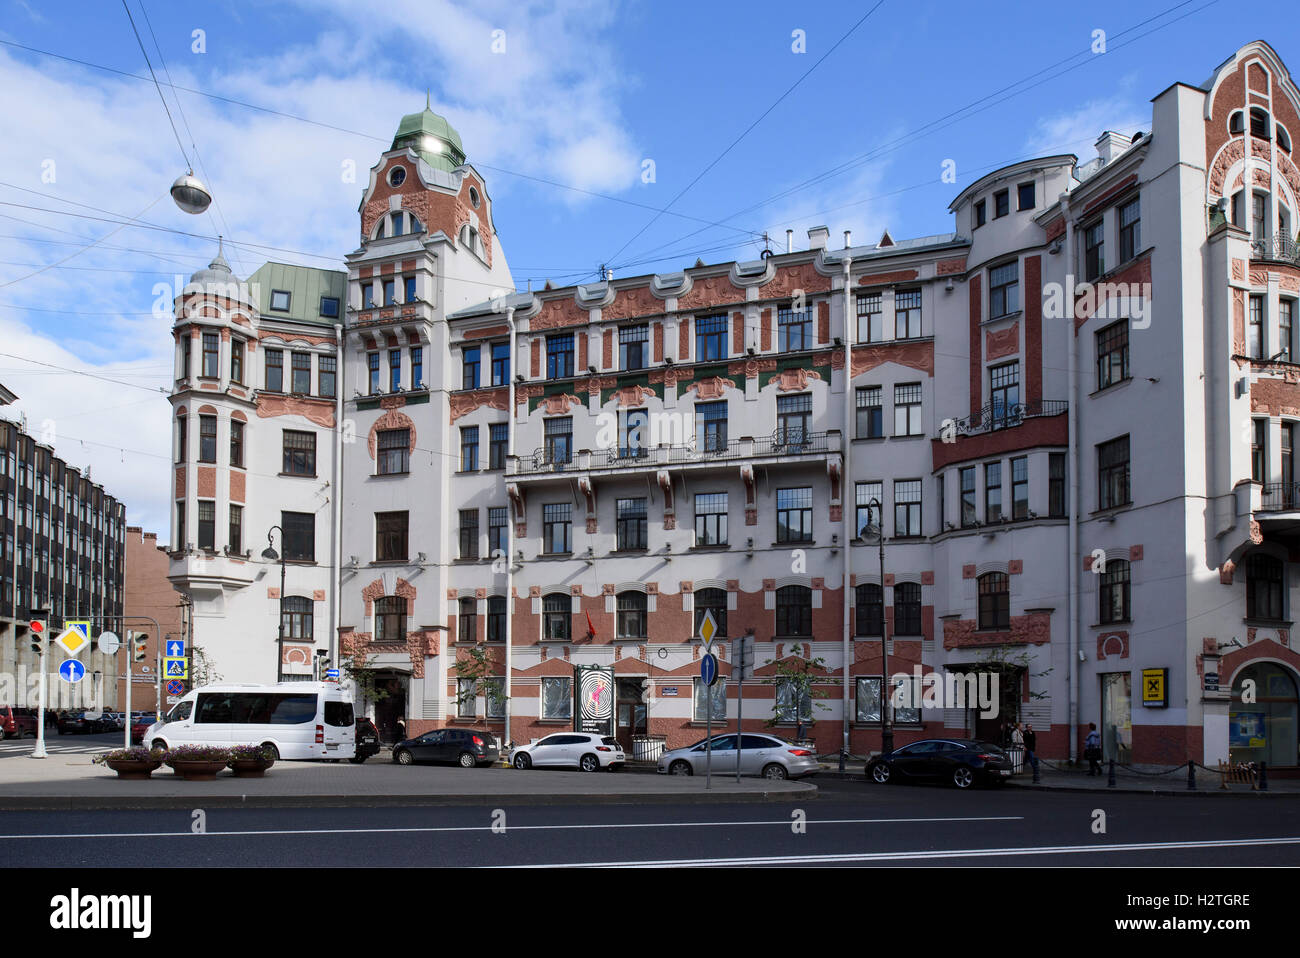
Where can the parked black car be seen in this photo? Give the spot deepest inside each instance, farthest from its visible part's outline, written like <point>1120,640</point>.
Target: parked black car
<point>467,747</point>
<point>76,723</point>
<point>367,740</point>
<point>960,761</point>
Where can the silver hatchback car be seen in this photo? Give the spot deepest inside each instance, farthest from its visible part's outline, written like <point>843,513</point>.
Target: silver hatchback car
<point>759,754</point>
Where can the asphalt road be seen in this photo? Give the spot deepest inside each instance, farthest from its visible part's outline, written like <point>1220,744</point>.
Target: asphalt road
<point>852,823</point>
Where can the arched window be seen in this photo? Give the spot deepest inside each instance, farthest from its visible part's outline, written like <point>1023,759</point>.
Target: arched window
<point>1115,592</point>
<point>1235,123</point>
<point>397,223</point>
<point>1283,138</point>
<point>794,611</point>
<point>1264,587</point>
<point>296,612</point>
<point>390,619</point>
<point>711,600</point>
<point>995,601</point>
<point>631,615</point>
<point>1259,124</point>
<point>556,616</point>
<point>871,610</point>
<point>907,608</point>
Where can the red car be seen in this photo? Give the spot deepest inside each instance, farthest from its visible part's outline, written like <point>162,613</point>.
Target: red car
<point>20,722</point>
<point>140,723</point>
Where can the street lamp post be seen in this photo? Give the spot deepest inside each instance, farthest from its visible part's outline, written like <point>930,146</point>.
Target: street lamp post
<point>886,710</point>
<point>269,553</point>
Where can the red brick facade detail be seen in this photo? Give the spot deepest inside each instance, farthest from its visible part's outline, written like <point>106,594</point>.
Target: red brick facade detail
<point>765,330</point>
<point>737,333</point>
<point>207,482</point>
<point>823,323</point>
<point>968,571</point>
<point>1034,628</point>
<point>1134,553</point>
<point>1112,645</point>
<point>683,340</point>
<point>1003,342</point>
<point>237,483</point>
<point>633,302</point>
<point>1033,328</point>
<point>607,349</point>
<point>917,355</point>
<point>884,279</point>
<point>180,483</point>
<point>582,351</point>
<point>536,363</point>
<point>713,291</point>
<point>657,335</point>
<point>791,278</point>
<point>976,360</point>
<point>1042,431</point>
<point>949,267</point>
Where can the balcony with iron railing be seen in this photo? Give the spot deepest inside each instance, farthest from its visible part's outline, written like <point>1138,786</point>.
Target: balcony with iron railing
<point>1279,248</point>
<point>1280,497</point>
<point>777,446</point>
<point>994,416</point>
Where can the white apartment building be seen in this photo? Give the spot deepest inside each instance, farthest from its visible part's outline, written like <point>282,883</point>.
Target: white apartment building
<point>1077,409</point>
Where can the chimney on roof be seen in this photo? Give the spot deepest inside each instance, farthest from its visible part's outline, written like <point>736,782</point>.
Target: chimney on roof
<point>1111,144</point>
<point>818,237</point>
<point>789,241</point>
<point>151,536</point>
<point>848,239</point>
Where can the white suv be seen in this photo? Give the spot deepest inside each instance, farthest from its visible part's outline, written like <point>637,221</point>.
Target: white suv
<point>582,750</point>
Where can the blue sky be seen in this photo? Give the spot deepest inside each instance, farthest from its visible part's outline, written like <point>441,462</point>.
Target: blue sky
<point>582,96</point>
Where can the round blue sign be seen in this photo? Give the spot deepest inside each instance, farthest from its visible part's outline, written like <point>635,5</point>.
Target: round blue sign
<point>72,671</point>
<point>708,669</point>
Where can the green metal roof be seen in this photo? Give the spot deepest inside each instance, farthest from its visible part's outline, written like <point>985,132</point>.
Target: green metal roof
<point>432,137</point>
<point>305,285</point>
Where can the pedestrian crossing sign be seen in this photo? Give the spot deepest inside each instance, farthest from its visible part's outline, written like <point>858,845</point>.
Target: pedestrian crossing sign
<point>176,669</point>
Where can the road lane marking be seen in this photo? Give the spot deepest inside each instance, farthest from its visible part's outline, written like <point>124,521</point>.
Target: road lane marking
<point>514,828</point>
<point>917,855</point>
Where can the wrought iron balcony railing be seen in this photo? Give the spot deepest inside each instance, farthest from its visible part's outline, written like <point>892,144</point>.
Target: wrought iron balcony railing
<point>787,443</point>
<point>1003,416</point>
<point>1279,248</point>
<point>1280,497</point>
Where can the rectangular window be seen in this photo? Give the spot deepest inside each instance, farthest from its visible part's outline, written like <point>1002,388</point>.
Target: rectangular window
<point>417,367</point>
<point>274,370</point>
<point>630,521</point>
<point>1112,354</point>
<point>557,524</point>
<point>372,372</point>
<point>498,442</point>
<point>870,413</point>
<point>993,492</point>
<point>710,338</point>
<point>329,307</point>
<point>1094,250</point>
<point>1004,290</point>
<point>1285,327</point>
<point>559,356</point>
<point>907,314</point>
<point>500,364</point>
<point>468,448</point>
<point>327,376</point>
<point>1255,331</point>
<point>280,300</point>
<point>1004,395</point>
<point>558,440</point>
<point>1288,465</point>
<point>368,296</point>
<point>1020,488</point>
<point>181,445</point>
<point>394,370</point>
<point>907,409</point>
<point>301,374</point>
<point>907,507</point>
<point>633,346</point>
<point>940,501</point>
<point>794,329</point>
<point>211,355</point>
<point>1056,485</point>
<point>793,415</point>
<point>299,535</point>
<point>390,536</point>
<point>1130,230</point>
<point>466,698</point>
<point>1001,203</point>
<point>469,533</point>
<point>468,620</point>
<point>709,700</point>
<point>634,430</point>
<point>470,367</point>
<point>299,453</point>
<point>186,357</point>
<point>498,516</point>
<point>393,452</point>
<point>207,524</point>
<point>1025,196</point>
<point>711,426</point>
<point>237,361</point>
<point>235,540</point>
<point>711,519</point>
<point>979,214</point>
<point>496,618</point>
<point>207,439</point>
<point>870,318</point>
<point>1113,473</point>
<point>794,515</point>
<point>1259,450</point>
<point>866,494</point>
<point>557,698</point>
<point>390,290</point>
<point>236,443</point>
<point>969,514</point>
<point>408,289</point>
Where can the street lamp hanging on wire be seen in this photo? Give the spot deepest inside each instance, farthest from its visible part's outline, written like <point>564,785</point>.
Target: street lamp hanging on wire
<point>190,194</point>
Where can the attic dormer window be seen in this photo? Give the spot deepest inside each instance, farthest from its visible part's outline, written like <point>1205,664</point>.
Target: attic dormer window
<point>280,300</point>
<point>473,197</point>
<point>1235,125</point>
<point>397,177</point>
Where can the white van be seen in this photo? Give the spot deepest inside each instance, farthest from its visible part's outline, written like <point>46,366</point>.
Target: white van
<point>296,719</point>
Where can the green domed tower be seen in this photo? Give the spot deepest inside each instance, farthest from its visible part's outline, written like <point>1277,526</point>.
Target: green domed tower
<point>432,137</point>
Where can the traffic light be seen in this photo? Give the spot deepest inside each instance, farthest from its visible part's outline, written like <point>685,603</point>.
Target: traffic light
<point>37,627</point>
<point>139,646</point>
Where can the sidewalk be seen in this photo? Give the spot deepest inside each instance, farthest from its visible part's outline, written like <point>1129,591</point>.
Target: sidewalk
<point>72,782</point>
<point>1141,782</point>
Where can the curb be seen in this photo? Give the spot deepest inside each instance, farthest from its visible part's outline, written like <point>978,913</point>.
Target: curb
<point>1172,792</point>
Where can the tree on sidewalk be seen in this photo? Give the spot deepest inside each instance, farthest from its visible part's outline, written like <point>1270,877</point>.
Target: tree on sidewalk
<point>478,667</point>
<point>797,687</point>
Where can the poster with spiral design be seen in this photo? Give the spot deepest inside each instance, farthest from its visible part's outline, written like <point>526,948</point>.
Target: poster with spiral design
<point>594,689</point>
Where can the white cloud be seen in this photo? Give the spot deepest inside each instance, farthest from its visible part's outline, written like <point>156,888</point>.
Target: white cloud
<point>1076,130</point>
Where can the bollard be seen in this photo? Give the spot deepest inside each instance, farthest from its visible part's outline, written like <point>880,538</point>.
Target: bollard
<point>1191,775</point>
<point>1036,778</point>
<point>843,756</point>
<point>1110,782</point>
<point>1263,776</point>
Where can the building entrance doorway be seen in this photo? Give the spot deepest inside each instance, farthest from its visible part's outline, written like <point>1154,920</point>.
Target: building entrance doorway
<point>1263,730</point>
<point>390,706</point>
<point>1116,717</point>
<point>631,713</point>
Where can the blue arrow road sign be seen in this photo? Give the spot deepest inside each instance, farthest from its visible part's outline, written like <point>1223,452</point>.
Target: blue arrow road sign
<point>175,649</point>
<point>708,669</point>
<point>332,673</point>
<point>72,671</point>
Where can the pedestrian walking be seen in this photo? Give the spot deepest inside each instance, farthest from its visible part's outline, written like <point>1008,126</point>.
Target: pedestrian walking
<point>1031,746</point>
<point>1017,747</point>
<point>1092,749</point>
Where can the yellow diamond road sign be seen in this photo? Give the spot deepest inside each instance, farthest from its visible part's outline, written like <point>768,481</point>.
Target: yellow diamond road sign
<point>708,628</point>
<point>74,638</point>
